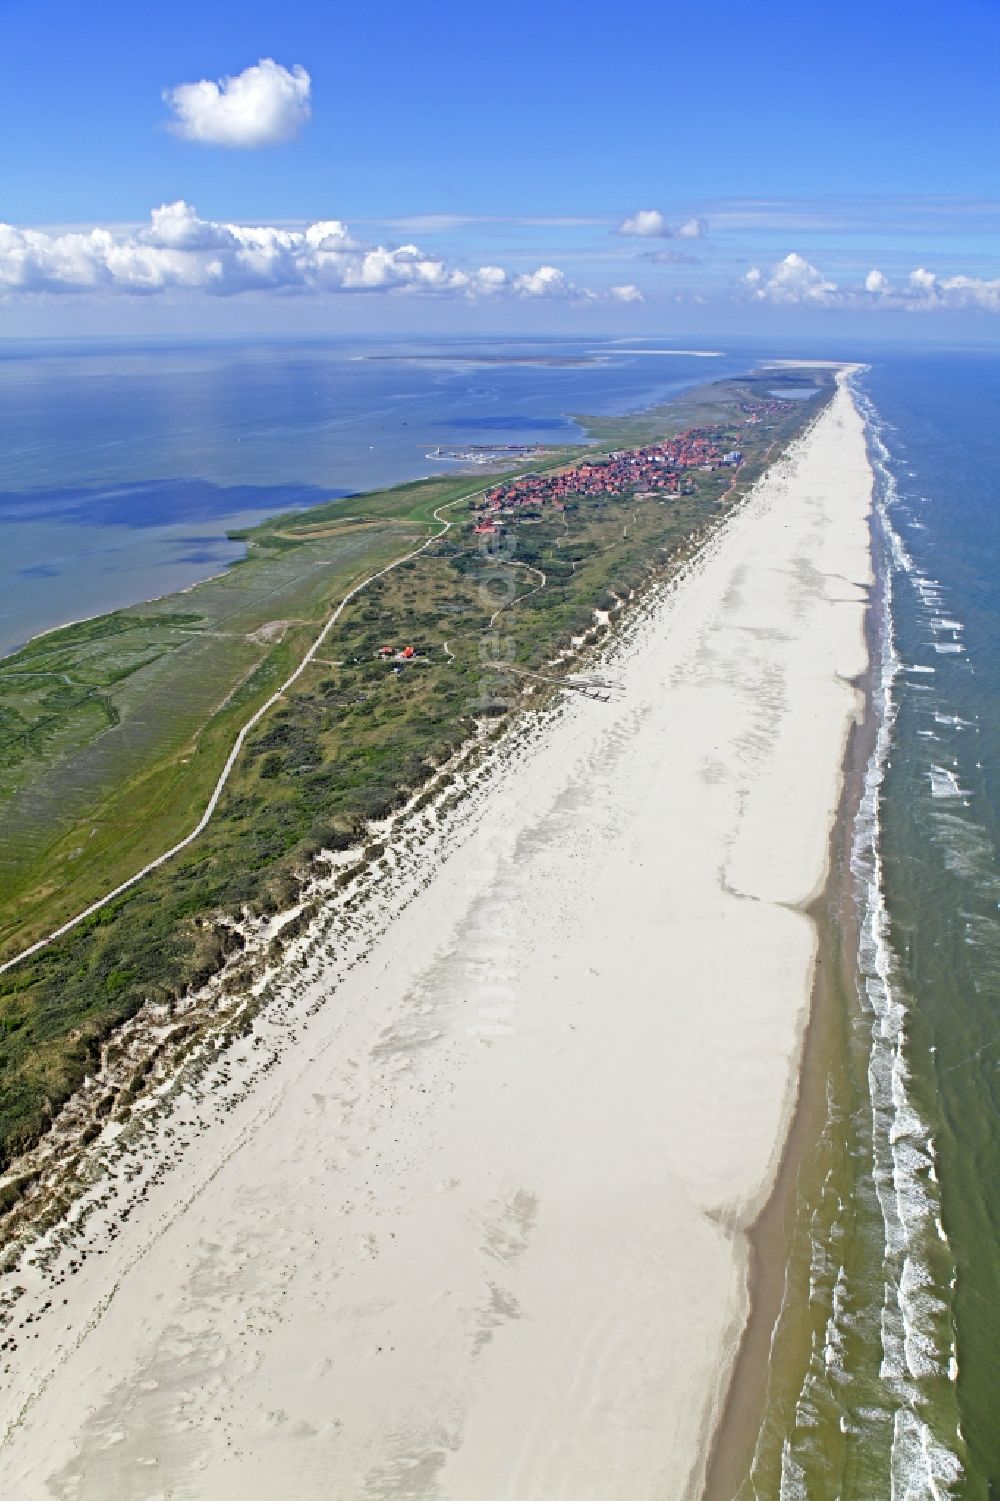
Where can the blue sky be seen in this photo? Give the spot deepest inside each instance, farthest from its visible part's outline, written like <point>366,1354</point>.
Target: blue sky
<point>815,157</point>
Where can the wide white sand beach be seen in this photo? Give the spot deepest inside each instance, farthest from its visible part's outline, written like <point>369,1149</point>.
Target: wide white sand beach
<point>479,1232</point>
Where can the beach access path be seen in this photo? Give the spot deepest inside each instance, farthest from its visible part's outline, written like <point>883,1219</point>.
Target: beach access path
<point>478,1235</point>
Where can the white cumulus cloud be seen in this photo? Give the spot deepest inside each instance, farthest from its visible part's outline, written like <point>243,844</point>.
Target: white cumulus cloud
<point>547,281</point>
<point>179,250</point>
<point>925,291</point>
<point>262,106</point>
<point>649,223</point>
<point>792,280</point>
<point>627,293</point>
<point>971,292</point>
<point>795,280</point>
<point>923,282</point>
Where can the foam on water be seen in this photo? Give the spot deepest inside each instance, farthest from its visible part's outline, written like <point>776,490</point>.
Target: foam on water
<point>833,1348</point>
<point>923,1463</point>
<point>944,782</point>
<point>793,1477</point>
<point>921,1466</point>
<point>968,851</point>
<point>880,1269</point>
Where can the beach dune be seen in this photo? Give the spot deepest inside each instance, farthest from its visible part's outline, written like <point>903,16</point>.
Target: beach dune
<point>480,1234</point>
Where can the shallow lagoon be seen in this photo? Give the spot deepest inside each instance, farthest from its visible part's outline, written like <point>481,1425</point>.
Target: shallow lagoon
<point>122,467</point>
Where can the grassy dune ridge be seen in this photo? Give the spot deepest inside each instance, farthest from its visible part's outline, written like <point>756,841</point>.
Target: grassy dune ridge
<point>114,731</point>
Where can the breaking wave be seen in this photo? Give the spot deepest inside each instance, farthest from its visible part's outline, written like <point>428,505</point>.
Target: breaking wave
<point>917,1346</point>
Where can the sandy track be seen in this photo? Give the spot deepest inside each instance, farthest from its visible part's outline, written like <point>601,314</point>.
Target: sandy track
<point>238,743</point>
<point>477,1235</point>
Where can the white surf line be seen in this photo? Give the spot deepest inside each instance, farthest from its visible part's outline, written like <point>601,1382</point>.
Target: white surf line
<point>254,719</point>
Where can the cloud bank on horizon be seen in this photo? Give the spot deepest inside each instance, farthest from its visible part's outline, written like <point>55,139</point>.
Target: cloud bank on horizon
<point>179,250</point>
<point>795,281</point>
<point>265,105</point>
<point>567,258</point>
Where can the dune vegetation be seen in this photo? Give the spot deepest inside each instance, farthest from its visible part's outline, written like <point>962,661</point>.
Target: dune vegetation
<point>113,731</point>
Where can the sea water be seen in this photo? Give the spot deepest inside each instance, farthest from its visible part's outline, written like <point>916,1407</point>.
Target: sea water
<point>885,1374</point>
<point>935,437</point>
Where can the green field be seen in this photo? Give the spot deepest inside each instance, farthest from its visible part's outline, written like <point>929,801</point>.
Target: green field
<point>113,732</point>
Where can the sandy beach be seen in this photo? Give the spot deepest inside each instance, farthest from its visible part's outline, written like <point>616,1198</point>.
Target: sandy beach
<point>477,1230</point>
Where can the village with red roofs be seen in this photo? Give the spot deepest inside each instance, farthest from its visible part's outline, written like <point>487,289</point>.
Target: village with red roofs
<point>654,470</point>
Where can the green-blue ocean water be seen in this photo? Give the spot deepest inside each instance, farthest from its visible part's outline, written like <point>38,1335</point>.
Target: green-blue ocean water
<point>885,1371</point>
<point>938,421</point>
